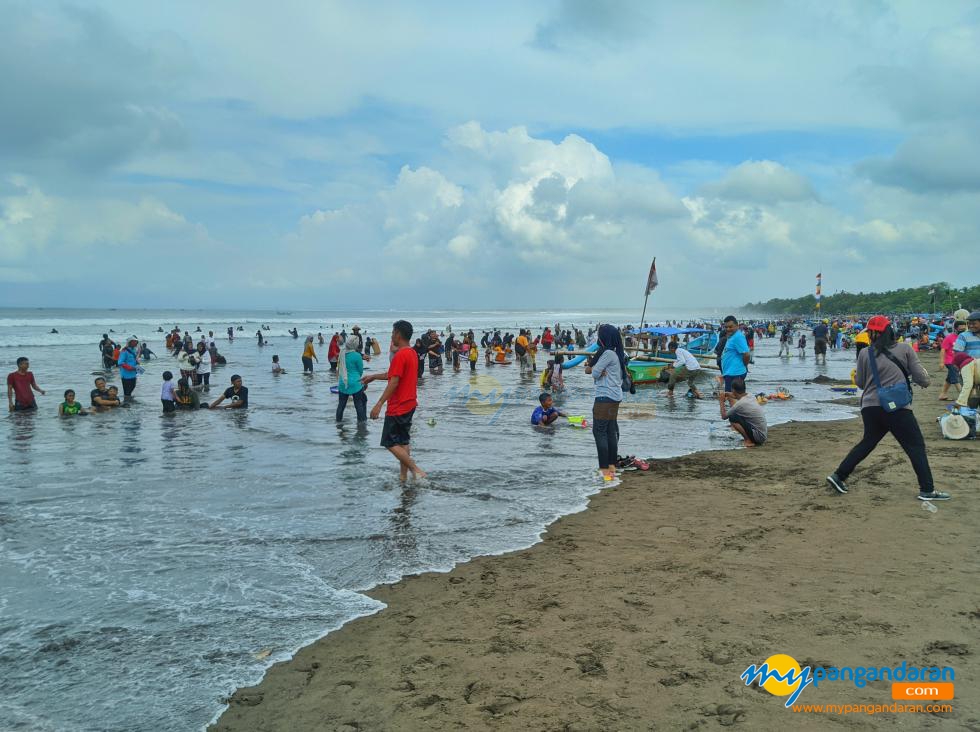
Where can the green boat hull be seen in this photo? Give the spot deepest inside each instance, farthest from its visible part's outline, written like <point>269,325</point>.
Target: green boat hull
<point>645,372</point>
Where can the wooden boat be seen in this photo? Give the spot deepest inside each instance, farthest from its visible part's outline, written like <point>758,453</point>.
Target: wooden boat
<point>645,372</point>
<point>702,347</point>
<point>706,361</point>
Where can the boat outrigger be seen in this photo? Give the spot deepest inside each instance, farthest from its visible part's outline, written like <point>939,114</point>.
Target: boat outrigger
<point>648,359</point>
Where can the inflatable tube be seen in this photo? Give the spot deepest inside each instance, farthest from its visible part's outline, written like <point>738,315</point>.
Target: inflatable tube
<point>575,361</point>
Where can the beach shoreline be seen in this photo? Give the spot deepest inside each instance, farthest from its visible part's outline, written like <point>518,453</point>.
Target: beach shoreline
<point>642,611</point>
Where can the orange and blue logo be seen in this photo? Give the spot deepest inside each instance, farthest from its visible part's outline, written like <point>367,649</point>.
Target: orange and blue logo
<point>781,675</point>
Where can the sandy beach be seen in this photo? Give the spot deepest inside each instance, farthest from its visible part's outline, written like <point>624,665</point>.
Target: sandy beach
<point>642,611</point>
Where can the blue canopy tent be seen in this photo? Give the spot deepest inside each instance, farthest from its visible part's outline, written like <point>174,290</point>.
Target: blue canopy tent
<point>664,331</point>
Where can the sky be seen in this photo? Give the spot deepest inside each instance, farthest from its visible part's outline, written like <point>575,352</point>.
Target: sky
<point>469,155</point>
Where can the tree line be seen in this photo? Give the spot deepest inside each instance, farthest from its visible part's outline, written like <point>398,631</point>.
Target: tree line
<point>943,298</point>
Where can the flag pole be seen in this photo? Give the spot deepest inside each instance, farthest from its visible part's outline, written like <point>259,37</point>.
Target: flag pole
<point>651,283</point>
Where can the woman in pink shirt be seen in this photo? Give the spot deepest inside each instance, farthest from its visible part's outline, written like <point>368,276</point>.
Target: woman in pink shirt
<point>946,359</point>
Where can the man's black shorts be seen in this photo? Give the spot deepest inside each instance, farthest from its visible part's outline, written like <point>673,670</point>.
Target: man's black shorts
<point>753,435</point>
<point>396,429</point>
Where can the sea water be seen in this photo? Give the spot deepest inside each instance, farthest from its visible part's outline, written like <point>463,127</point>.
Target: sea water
<point>150,564</point>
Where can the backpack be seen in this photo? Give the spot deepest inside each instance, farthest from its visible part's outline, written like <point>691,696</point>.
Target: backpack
<point>628,386</point>
<point>894,397</point>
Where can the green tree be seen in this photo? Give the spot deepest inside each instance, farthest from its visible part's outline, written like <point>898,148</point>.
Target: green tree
<point>907,300</point>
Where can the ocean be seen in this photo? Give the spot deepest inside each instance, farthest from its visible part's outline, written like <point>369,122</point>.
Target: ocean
<point>153,564</point>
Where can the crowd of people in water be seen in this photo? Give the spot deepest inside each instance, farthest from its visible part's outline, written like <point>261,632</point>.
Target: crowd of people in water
<point>885,379</point>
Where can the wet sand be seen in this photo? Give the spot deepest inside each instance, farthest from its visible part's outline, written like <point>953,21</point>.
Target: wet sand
<point>641,612</point>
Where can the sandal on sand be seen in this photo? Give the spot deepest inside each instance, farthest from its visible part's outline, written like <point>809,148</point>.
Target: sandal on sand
<point>641,464</point>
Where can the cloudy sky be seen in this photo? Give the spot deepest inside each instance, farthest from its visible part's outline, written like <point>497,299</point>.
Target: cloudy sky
<point>505,154</point>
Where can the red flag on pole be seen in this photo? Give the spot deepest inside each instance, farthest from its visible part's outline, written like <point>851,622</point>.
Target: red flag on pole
<point>652,277</point>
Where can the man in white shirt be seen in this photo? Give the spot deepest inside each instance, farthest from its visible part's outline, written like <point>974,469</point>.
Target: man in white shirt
<point>203,368</point>
<point>684,367</point>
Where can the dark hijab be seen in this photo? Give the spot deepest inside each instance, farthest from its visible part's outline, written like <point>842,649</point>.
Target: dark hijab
<point>610,340</point>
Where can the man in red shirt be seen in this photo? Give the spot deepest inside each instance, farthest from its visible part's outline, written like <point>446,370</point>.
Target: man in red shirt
<point>19,384</point>
<point>401,394</point>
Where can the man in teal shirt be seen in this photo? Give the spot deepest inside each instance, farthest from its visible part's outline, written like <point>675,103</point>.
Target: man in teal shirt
<point>735,357</point>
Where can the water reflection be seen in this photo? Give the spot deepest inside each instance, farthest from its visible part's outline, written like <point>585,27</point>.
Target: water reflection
<point>171,430</point>
<point>131,447</point>
<point>404,541</point>
<point>23,426</point>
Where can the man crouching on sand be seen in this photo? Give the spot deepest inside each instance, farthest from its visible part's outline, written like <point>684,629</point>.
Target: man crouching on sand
<point>746,415</point>
<point>401,395</point>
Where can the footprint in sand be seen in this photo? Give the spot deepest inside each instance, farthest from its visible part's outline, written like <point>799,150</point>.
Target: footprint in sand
<point>948,647</point>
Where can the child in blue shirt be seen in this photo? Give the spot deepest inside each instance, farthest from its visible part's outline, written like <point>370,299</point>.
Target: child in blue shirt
<point>547,413</point>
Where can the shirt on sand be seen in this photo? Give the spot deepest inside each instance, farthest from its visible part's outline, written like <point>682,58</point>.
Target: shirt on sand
<point>751,411</point>
<point>731,358</point>
<point>404,365</point>
<point>240,396</point>
<point>540,413</point>
<point>22,387</point>
<point>685,359</point>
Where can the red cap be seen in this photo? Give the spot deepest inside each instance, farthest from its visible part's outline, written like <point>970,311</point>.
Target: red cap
<point>878,323</point>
